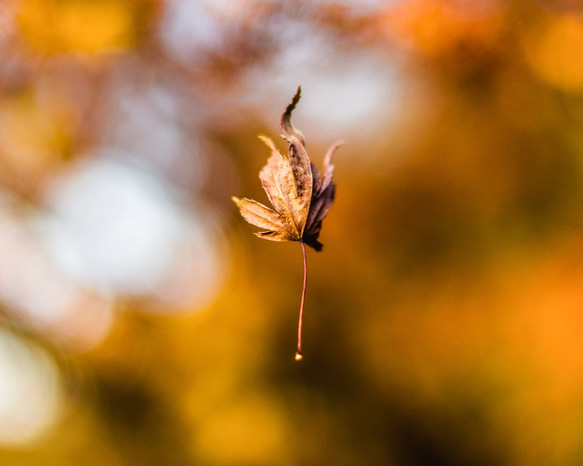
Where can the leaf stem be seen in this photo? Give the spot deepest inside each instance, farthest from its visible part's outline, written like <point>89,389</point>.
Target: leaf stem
<point>299,354</point>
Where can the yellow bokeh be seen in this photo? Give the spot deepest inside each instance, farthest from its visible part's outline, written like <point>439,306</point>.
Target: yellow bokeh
<point>85,26</point>
<point>34,137</point>
<point>248,432</point>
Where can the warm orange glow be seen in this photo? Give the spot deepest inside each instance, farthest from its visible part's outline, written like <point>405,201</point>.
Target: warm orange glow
<point>142,324</point>
<point>86,26</point>
<point>434,27</point>
<point>553,52</point>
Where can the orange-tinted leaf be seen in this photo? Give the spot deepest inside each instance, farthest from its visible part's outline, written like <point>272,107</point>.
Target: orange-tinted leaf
<point>300,196</point>
<point>280,184</point>
<point>299,160</point>
<point>263,217</point>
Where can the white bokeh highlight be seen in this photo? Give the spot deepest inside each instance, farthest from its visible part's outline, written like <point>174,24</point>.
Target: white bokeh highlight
<point>118,230</point>
<point>30,395</point>
<point>36,293</point>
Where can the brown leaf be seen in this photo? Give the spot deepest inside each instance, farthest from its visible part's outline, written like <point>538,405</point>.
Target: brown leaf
<point>263,217</point>
<point>322,200</point>
<point>289,193</point>
<point>300,196</point>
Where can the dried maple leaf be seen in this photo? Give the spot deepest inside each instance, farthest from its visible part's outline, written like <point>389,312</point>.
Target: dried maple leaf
<point>301,196</point>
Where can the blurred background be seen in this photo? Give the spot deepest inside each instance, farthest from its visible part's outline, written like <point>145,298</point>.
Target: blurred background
<point>141,322</point>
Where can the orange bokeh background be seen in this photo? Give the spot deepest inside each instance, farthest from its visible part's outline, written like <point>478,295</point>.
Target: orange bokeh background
<point>143,324</point>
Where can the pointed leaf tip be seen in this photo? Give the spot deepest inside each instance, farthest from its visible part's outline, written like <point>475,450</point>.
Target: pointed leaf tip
<point>268,142</point>
<point>296,98</point>
<point>286,126</point>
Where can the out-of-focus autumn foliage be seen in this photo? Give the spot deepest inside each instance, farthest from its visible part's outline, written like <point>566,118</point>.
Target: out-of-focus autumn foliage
<point>142,325</point>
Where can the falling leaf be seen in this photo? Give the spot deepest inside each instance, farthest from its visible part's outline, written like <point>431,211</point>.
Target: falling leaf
<point>301,197</point>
